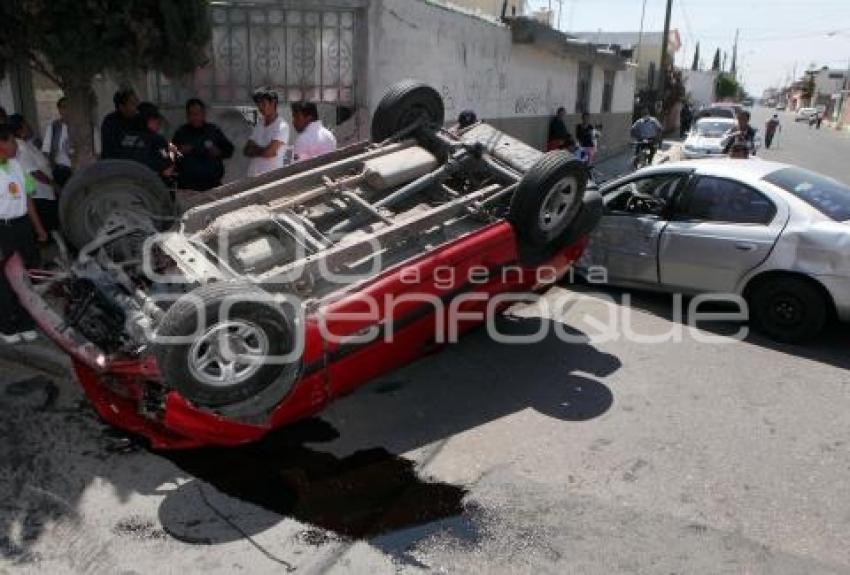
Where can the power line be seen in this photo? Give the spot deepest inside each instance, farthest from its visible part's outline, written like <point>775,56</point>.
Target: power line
<point>687,20</point>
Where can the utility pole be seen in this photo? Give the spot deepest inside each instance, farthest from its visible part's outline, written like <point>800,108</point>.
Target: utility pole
<point>640,33</point>
<point>665,42</point>
<point>735,56</point>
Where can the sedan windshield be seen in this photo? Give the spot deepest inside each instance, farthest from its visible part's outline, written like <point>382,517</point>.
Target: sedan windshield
<point>713,128</point>
<point>825,194</point>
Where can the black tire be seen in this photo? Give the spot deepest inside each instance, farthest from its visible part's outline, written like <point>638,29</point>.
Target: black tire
<point>548,198</point>
<point>247,308</point>
<point>404,104</point>
<point>585,222</point>
<point>788,308</point>
<point>103,187</point>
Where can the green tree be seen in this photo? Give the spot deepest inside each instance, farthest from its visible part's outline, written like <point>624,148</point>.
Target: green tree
<point>715,65</point>
<point>808,87</point>
<point>71,41</point>
<point>695,65</point>
<point>727,86</point>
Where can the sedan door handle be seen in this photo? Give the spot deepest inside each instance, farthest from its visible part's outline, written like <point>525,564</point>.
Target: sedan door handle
<point>745,246</point>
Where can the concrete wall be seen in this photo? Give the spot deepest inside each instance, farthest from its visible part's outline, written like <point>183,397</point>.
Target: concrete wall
<point>491,8</point>
<point>826,85</point>
<point>475,64</point>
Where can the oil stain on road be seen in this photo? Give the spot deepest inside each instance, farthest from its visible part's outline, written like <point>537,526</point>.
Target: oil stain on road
<point>367,495</point>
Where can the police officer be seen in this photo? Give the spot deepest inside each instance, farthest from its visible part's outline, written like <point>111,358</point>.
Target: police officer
<point>203,148</point>
<point>118,123</point>
<point>144,144</point>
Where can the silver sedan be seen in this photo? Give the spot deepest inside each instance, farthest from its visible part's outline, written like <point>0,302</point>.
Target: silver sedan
<point>775,234</point>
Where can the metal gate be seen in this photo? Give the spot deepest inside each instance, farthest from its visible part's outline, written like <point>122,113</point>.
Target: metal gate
<point>306,54</point>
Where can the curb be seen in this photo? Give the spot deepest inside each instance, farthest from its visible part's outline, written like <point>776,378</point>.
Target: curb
<point>40,355</point>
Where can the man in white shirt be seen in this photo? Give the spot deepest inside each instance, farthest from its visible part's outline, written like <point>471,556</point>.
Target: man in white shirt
<point>18,223</point>
<point>37,167</point>
<point>268,143</point>
<point>313,138</point>
<point>57,147</point>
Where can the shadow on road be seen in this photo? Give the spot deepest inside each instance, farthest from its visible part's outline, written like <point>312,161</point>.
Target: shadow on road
<point>829,348</point>
<point>52,454</point>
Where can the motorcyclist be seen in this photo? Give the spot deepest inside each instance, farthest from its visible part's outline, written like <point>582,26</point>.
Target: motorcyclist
<point>647,132</point>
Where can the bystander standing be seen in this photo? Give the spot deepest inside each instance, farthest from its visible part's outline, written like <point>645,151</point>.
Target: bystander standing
<point>118,123</point>
<point>586,138</point>
<point>19,221</point>
<point>57,146</point>
<point>146,145</point>
<point>559,137</point>
<point>770,129</point>
<point>267,146</point>
<point>312,138</point>
<point>36,165</point>
<point>203,148</point>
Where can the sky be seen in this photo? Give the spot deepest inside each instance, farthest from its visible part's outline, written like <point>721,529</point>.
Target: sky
<point>775,35</point>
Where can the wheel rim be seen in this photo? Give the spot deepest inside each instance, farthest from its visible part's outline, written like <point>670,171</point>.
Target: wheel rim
<point>786,310</point>
<point>228,354</point>
<point>557,207</point>
<point>114,197</point>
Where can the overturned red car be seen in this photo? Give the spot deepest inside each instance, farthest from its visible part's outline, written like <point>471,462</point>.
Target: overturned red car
<point>215,323</point>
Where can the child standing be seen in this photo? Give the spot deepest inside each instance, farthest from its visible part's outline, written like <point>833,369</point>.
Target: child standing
<point>18,219</point>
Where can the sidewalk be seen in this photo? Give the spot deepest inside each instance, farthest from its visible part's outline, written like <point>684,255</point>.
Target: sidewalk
<point>620,163</point>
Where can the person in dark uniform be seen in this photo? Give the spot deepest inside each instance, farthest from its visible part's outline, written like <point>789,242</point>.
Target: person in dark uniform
<point>559,136</point>
<point>203,148</point>
<point>144,144</point>
<point>119,122</point>
<point>686,118</point>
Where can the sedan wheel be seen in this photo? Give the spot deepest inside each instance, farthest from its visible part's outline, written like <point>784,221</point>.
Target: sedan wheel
<point>789,309</point>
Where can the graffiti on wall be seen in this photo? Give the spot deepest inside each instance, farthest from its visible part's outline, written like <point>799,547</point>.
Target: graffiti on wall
<point>529,104</point>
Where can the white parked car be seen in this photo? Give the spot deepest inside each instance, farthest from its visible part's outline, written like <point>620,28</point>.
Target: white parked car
<point>805,114</point>
<point>776,234</point>
<point>706,138</point>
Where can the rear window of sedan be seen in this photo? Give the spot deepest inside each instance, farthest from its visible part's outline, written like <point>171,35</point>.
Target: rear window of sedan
<point>716,113</point>
<point>825,194</point>
<point>710,128</point>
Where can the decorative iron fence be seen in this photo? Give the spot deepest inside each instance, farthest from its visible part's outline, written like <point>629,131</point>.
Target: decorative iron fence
<point>306,54</point>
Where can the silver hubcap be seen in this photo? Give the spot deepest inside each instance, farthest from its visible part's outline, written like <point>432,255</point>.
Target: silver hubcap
<point>228,353</point>
<point>556,209</point>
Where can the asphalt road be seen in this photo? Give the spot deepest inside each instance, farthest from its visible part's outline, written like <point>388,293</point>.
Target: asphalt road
<point>602,456</point>
<point>826,150</point>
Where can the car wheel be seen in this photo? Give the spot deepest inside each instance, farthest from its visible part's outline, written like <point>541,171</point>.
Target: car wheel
<point>405,104</point>
<point>98,190</point>
<point>548,198</point>
<point>214,345</point>
<point>788,309</point>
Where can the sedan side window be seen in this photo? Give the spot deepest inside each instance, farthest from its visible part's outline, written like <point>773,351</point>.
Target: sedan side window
<point>649,195</point>
<point>720,200</point>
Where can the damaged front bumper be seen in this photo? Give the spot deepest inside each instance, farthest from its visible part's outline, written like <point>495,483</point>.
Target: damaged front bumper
<point>128,392</point>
